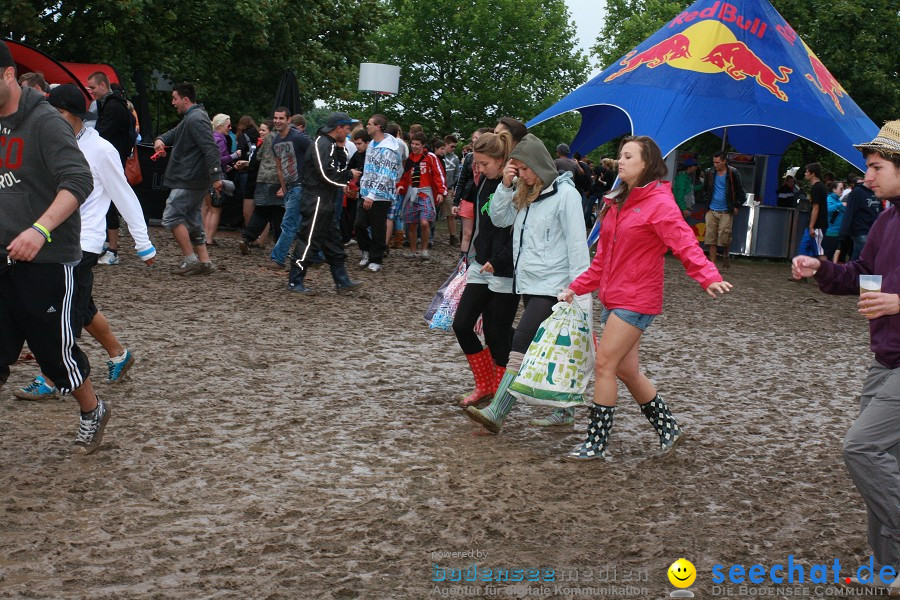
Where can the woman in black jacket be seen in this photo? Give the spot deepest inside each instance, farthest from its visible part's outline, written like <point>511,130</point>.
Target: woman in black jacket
<point>489,287</point>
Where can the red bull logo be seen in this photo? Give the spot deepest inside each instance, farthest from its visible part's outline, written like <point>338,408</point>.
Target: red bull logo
<point>708,46</point>
<point>824,80</point>
<point>677,46</point>
<point>740,62</point>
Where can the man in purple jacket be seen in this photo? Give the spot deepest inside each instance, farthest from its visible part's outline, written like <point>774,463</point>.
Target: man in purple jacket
<point>872,445</point>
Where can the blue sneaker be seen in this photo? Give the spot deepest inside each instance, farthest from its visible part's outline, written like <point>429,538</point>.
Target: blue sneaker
<point>37,390</point>
<point>117,370</point>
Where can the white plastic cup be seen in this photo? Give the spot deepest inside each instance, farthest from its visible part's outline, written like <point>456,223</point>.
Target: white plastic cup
<point>869,283</point>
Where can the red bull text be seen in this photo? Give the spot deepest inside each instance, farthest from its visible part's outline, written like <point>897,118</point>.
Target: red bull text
<point>725,12</point>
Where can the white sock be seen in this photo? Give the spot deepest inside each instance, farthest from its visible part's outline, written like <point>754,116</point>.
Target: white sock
<point>119,359</point>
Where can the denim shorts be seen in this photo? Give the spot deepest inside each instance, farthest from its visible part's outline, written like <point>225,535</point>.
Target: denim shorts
<point>639,320</point>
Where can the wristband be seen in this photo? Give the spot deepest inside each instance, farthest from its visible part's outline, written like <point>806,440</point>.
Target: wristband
<point>43,231</point>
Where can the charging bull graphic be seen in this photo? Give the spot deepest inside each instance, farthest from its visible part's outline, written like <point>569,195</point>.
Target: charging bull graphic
<point>677,46</point>
<point>741,62</point>
<point>825,81</point>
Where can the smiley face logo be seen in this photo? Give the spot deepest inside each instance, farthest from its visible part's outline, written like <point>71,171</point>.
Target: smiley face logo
<point>682,573</point>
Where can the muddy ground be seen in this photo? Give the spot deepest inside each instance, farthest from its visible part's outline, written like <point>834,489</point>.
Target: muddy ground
<point>267,445</point>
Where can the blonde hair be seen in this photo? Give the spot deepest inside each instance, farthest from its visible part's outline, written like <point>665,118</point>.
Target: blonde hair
<point>526,194</point>
<point>219,120</point>
<point>496,145</point>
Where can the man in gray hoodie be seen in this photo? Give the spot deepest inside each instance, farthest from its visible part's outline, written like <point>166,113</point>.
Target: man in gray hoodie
<point>44,178</point>
<point>193,167</point>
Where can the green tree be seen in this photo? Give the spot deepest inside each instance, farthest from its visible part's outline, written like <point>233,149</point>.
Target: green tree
<point>465,64</point>
<point>234,51</point>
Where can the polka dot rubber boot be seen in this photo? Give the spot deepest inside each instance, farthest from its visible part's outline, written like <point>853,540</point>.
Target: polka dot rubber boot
<point>597,435</point>
<point>670,434</point>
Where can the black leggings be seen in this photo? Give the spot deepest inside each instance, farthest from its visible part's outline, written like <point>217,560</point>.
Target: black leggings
<point>498,311</point>
<point>537,309</point>
<point>264,215</point>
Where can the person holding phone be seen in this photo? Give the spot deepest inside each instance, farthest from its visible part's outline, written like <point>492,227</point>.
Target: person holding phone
<point>549,249</point>
<point>489,284</point>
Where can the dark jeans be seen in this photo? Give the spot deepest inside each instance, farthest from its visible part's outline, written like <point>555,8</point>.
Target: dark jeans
<point>587,206</point>
<point>537,309</point>
<point>376,218</point>
<point>264,215</point>
<point>858,242</point>
<point>498,311</point>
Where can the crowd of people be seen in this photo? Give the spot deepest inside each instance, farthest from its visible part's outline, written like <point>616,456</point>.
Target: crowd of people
<point>524,217</point>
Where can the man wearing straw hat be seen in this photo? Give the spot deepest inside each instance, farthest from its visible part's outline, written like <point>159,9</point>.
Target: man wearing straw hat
<point>872,445</point>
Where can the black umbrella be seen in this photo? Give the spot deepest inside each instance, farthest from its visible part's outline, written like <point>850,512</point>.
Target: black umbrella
<point>288,93</point>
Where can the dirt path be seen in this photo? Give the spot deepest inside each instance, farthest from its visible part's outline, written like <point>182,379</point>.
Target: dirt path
<point>273,446</point>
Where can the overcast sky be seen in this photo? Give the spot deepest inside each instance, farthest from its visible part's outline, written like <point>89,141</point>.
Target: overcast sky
<point>588,16</point>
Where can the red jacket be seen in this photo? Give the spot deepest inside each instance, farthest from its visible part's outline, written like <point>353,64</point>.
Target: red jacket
<point>628,267</point>
<point>430,174</point>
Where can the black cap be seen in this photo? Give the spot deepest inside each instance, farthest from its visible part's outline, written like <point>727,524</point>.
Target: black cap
<point>337,119</point>
<point>6,59</point>
<point>69,97</point>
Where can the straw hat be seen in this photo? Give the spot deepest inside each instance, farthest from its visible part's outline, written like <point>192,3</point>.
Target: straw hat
<point>887,140</point>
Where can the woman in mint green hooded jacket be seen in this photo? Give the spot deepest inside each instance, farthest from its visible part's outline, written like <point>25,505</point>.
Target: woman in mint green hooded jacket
<point>549,251</point>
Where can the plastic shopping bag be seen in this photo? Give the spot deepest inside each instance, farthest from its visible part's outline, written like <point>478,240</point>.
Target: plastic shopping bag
<point>439,296</point>
<point>443,316</point>
<point>557,368</point>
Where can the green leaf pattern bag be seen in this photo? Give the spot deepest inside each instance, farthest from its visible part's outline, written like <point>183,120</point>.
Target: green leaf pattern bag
<point>557,368</point>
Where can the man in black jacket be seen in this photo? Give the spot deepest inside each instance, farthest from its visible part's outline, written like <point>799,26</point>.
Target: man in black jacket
<point>725,190</point>
<point>324,172</point>
<point>862,210</point>
<point>114,124</point>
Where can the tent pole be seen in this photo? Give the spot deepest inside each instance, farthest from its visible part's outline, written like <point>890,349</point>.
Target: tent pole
<point>724,138</point>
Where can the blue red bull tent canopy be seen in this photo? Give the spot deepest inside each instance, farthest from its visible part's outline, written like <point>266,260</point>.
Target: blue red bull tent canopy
<point>735,65</point>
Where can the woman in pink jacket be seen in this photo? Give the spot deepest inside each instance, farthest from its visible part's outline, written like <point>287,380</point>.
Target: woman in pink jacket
<point>640,222</point>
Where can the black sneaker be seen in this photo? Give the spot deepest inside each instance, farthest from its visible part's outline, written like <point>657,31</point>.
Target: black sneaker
<point>90,431</point>
<point>244,247</point>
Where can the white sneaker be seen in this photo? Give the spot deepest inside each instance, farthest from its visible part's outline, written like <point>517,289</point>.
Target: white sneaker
<point>374,267</point>
<point>108,259</point>
<point>424,254</point>
<point>365,259</point>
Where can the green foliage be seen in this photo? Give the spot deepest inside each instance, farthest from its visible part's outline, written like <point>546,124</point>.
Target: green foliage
<point>465,64</point>
<point>628,23</point>
<point>234,52</point>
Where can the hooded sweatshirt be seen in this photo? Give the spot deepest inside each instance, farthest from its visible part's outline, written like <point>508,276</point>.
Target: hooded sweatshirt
<point>194,161</point>
<point>549,242</point>
<point>110,185</point>
<point>880,256</point>
<point>382,170</point>
<point>40,158</point>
